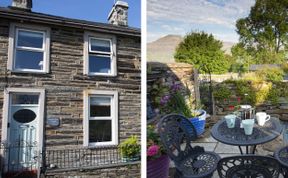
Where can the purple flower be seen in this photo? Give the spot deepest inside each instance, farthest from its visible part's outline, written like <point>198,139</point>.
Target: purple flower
<point>175,87</point>
<point>164,99</point>
<point>153,150</point>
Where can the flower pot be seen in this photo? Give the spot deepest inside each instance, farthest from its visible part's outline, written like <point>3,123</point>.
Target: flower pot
<point>158,168</point>
<point>134,158</point>
<point>199,122</point>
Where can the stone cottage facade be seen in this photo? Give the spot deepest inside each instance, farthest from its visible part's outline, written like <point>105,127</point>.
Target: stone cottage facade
<point>69,93</point>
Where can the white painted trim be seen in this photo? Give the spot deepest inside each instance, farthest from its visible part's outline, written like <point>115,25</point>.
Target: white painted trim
<point>114,117</point>
<point>13,31</point>
<point>6,111</point>
<point>86,50</point>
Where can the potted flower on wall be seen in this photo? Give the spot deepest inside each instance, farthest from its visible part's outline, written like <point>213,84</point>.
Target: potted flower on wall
<point>157,159</point>
<point>130,149</point>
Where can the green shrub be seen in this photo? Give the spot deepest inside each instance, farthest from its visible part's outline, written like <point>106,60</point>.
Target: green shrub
<point>284,67</point>
<point>130,148</point>
<point>222,92</point>
<point>271,74</point>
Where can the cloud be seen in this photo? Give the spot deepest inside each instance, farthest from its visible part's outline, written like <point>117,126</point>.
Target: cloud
<point>222,13</point>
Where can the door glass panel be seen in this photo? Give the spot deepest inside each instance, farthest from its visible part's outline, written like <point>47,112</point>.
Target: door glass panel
<point>24,116</point>
<point>29,60</point>
<point>30,39</point>
<point>100,45</point>
<point>100,106</point>
<point>25,99</point>
<point>100,131</point>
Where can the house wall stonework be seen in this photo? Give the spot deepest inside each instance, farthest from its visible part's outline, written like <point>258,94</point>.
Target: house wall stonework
<point>65,83</point>
<point>128,171</point>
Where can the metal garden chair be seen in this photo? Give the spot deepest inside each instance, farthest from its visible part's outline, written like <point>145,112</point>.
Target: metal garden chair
<point>248,166</point>
<point>177,133</point>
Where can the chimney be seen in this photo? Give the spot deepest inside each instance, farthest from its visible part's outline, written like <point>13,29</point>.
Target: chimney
<point>22,4</point>
<point>119,14</point>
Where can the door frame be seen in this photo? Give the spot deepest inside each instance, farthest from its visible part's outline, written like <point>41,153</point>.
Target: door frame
<point>6,112</point>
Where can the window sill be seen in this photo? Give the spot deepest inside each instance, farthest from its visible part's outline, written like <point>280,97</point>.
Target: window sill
<point>101,75</point>
<point>28,72</point>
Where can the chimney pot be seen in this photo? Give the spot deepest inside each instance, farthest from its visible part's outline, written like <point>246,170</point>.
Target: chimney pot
<point>22,4</point>
<point>119,14</point>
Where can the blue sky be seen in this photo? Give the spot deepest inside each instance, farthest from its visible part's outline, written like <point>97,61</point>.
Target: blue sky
<point>180,17</point>
<point>92,10</point>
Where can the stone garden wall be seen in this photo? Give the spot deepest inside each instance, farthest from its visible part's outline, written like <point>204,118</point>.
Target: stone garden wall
<point>169,74</point>
<point>277,108</point>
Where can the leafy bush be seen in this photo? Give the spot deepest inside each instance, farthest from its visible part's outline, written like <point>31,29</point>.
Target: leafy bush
<point>130,148</point>
<point>256,92</point>
<point>271,74</point>
<point>222,92</point>
<point>284,67</point>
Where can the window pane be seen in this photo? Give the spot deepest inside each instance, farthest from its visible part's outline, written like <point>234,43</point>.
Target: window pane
<point>30,39</point>
<point>100,131</point>
<point>99,64</point>
<point>25,98</point>
<point>100,106</point>
<point>29,60</point>
<point>100,45</point>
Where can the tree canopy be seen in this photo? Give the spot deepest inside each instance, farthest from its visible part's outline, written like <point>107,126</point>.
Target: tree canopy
<point>203,51</point>
<point>265,30</point>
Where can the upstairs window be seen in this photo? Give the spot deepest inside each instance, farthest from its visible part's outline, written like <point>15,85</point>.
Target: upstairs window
<point>29,49</point>
<point>99,55</point>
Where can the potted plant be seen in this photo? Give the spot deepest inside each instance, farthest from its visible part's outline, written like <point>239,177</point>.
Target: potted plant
<point>157,159</point>
<point>177,101</point>
<point>130,149</point>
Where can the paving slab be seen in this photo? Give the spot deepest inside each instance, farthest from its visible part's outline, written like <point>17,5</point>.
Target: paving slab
<point>207,146</point>
<point>224,148</point>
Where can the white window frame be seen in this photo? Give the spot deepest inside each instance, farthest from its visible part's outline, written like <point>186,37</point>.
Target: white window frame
<point>13,39</point>
<point>87,50</point>
<point>114,117</point>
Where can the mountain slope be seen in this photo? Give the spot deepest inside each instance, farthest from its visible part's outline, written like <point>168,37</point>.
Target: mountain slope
<point>163,49</point>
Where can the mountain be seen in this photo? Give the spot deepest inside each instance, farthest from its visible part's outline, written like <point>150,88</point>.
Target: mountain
<point>163,49</point>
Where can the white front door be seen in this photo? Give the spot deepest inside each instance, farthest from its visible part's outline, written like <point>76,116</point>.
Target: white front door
<point>23,132</point>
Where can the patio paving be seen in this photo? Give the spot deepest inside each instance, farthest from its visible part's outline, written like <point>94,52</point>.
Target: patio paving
<point>224,150</point>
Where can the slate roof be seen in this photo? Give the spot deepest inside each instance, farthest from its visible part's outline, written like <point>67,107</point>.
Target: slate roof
<point>40,18</point>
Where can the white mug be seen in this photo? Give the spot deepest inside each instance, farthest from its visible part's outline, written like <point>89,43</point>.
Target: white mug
<point>262,117</point>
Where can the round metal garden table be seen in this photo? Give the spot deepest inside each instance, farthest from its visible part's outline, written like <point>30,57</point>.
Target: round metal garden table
<point>236,136</point>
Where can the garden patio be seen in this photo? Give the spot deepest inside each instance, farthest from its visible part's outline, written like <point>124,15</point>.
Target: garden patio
<point>168,82</point>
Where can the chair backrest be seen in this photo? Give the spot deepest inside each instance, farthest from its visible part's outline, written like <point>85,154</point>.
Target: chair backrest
<point>177,133</point>
<point>245,166</point>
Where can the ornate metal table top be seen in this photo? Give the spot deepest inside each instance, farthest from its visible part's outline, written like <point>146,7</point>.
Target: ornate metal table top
<point>282,156</point>
<point>236,135</point>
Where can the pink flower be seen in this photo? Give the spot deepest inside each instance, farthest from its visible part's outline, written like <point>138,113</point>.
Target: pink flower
<point>153,150</point>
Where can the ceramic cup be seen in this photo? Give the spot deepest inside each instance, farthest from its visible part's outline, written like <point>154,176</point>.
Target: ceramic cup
<point>248,126</point>
<point>230,120</point>
<point>262,117</point>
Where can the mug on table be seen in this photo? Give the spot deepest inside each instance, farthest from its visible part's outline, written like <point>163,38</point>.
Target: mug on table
<point>262,117</point>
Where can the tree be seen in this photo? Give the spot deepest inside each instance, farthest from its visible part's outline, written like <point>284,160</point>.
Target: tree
<point>203,51</point>
<point>266,27</point>
<point>241,59</point>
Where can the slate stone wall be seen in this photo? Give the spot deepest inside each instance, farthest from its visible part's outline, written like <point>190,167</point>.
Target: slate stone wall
<point>127,171</point>
<point>65,83</point>
<point>169,73</point>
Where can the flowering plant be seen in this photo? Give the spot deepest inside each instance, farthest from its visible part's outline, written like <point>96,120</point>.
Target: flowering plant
<point>154,146</point>
<point>177,100</point>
